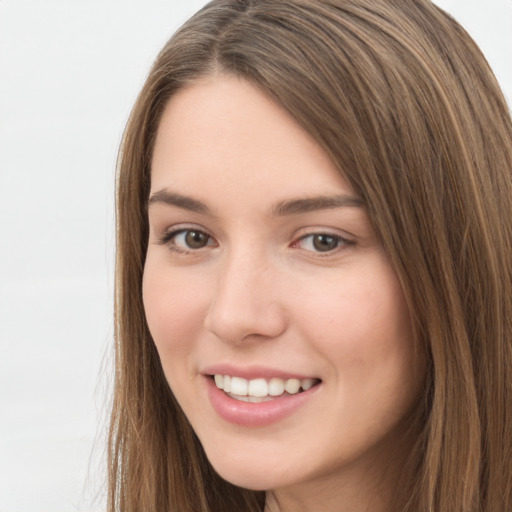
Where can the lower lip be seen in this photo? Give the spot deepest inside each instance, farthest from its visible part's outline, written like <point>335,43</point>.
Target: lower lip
<point>255,414</point>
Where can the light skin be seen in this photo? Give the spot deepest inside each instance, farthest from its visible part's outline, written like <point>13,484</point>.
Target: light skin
<point>262,256</point>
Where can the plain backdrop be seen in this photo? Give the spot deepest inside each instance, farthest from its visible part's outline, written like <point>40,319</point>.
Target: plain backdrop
<point>69,73</point>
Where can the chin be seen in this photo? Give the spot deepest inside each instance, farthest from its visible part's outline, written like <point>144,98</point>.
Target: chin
<point>249,477</point>
<point>251,482</point>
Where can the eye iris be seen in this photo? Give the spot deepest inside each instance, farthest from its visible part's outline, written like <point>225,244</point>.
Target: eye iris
<point>196,239</point>
<point>324,243</point>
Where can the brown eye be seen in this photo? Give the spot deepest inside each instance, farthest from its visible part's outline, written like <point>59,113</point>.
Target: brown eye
<point>324,243</point>
<point>187,240</point>
<point>195,239</point>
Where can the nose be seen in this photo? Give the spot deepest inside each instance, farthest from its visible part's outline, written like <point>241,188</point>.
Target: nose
<point>246,304</point>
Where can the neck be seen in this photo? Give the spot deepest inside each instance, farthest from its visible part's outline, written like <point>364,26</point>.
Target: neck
<point>329,497</point>
<point>359,486</point>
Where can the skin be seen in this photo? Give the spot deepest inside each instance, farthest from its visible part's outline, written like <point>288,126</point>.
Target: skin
<point>258,292</point>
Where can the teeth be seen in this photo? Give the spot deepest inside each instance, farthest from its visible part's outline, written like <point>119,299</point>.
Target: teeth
<point>276,387</point>
<point>260,390</point>
<point>306,384</point>
<point>252,399</point>
<point>227,384</point>
<point>292,386</point>
<point>239,386</point>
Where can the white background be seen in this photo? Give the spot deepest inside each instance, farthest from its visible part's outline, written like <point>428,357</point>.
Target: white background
<point>69,73</point>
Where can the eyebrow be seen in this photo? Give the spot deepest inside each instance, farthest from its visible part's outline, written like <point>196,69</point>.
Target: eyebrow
<point>281,209</point>
<point>174,199</point>
<point>309,204</point>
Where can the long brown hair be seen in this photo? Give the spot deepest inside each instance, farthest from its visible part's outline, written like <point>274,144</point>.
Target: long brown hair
<point>406,106</point>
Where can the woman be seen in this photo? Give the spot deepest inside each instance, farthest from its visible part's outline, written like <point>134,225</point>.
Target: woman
<point>314,266</point>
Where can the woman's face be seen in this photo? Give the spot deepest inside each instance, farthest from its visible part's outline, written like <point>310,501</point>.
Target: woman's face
<point>263,273</point>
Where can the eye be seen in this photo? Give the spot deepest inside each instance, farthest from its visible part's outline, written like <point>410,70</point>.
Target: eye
<point>184,240</point>
<point>321,242</point>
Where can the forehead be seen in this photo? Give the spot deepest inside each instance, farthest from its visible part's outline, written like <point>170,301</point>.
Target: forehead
<point>223,130</point>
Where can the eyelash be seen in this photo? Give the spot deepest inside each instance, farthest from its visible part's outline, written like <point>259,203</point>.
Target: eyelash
<point>169,240</point>
<point>341,243</point>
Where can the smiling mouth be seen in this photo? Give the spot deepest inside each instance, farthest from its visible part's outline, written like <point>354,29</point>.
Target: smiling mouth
<point>261,390</point>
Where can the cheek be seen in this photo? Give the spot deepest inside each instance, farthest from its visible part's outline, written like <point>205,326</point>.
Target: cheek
<point>376,370</point>
<point>174,307</point>
<point>357,309</point>
<point>361,323</point>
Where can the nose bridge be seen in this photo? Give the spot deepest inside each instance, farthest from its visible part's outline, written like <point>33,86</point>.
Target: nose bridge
<point>246,300</point>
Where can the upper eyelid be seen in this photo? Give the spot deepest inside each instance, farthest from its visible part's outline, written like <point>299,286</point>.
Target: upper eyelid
<point>318,233</point>
<point>167,239</point>
<point>299,234</point>
<point>320,230</point>
<point>340,238</point>
<point>177,228</point>
<point>174,231</point>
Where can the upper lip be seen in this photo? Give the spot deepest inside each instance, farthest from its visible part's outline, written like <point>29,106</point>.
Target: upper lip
<point>253,372</point>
